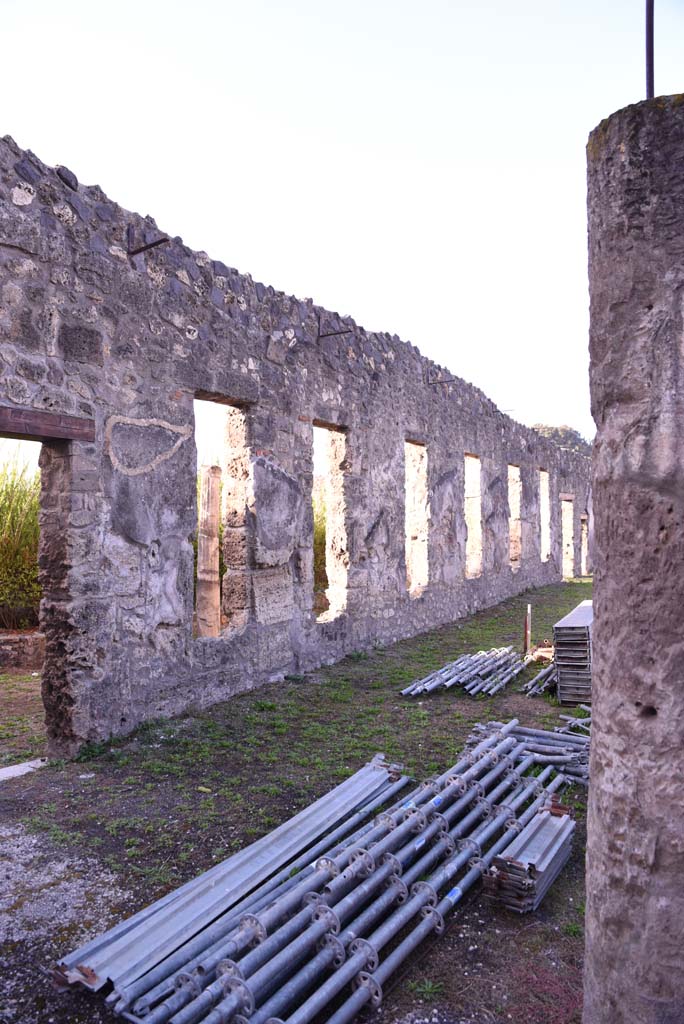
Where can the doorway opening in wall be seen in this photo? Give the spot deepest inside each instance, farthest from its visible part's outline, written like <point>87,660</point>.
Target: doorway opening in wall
<point>584,544</point>
<point>416,517</point>
<point>472,511</point>
<point>544,516</point>
<point>568,537</point>
<point>22,644</point>
<point>221,582</point>
<point>514,520</point>
<point>330,554</point>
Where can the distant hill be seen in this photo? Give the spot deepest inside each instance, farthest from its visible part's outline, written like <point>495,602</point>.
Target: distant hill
<point>565,436</point>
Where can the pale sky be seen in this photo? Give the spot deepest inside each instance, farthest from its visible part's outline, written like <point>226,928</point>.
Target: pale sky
<point>419,166</point>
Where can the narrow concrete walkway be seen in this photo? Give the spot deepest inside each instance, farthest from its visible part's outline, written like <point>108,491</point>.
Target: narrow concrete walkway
<point>14,770</point>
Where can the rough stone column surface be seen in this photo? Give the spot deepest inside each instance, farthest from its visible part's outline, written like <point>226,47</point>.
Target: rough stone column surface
<point>634,970</point>
<point>208,601</point>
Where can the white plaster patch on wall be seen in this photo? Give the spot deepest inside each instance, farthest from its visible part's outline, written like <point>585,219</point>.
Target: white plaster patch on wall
<point>184,432</point>
<point>23,195</point>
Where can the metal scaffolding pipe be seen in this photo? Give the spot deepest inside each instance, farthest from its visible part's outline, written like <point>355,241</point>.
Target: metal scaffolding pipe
<point>346,906</point>
<point>187,1005</point>
<point>358,889</point>
<point>370,985</point>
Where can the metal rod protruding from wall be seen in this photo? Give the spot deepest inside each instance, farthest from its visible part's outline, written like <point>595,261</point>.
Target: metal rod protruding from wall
<point>649,50</point>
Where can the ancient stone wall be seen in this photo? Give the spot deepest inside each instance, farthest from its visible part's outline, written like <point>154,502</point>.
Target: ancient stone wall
<point>92,327</point>
<point>634,971</point>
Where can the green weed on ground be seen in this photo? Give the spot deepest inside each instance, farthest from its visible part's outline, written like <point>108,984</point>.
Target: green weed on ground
<point>19,533</point>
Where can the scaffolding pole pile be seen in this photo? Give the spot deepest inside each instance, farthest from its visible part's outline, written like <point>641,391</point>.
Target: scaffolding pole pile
<point>572,722</point>
<point>324,942</point>
<point>543,681</point>
<point>567,752</point>
<point>485,672</point>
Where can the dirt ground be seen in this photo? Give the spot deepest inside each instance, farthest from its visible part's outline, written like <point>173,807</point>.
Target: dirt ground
<point>87,842</point>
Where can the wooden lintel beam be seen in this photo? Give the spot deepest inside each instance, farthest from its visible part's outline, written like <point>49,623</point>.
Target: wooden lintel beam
<point>37,425</point>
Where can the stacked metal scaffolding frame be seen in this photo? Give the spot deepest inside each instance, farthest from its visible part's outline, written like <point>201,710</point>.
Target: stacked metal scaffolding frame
<point>319,942</point>
<point>521,875</point>
<point>572,641</point>
<point>485,672</point>
<point>567,752</point>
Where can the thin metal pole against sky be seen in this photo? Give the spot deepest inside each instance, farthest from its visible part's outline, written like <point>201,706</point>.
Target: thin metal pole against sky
<point>649,49</point>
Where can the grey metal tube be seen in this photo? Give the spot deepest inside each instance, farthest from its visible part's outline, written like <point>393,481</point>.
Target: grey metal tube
<point>291,990</point>
<point>398,955</point>
<point>371,885</point>
<point>523,731</point>
<point>186,1005</point>
<point>288,931</point>
<point>442,802</point>
<point>344,907</point>
<point>228,942</point>
<point>291,940</point>
<point>270,917</point>
<point>435,852</point>
<point>358,999</point>
<point>485,744</point>
<point>357,961</point>
<point>344,882</point>
<point>378,938</point>
<point>448,902</point>
<point>499,685</point>
<point>366,919</point>
<point>540,747</point>
<point>540,676</point>
<point>273,915</point>
<point>351,1007</point>
<point>300,982</point>
<point>446,872</point>
<point>327,991</point>
<point>160,980</point>
<point>226,947</point>
<point>288,956</point>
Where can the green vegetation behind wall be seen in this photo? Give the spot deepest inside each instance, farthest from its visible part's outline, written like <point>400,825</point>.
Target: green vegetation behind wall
<point>19,533</point>
<point>320,574</point>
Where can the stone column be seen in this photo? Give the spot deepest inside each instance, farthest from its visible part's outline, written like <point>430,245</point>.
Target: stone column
<point>238,538</point>
<point>634,971</point>
<point>336,545</point>
<point>208,597</point>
